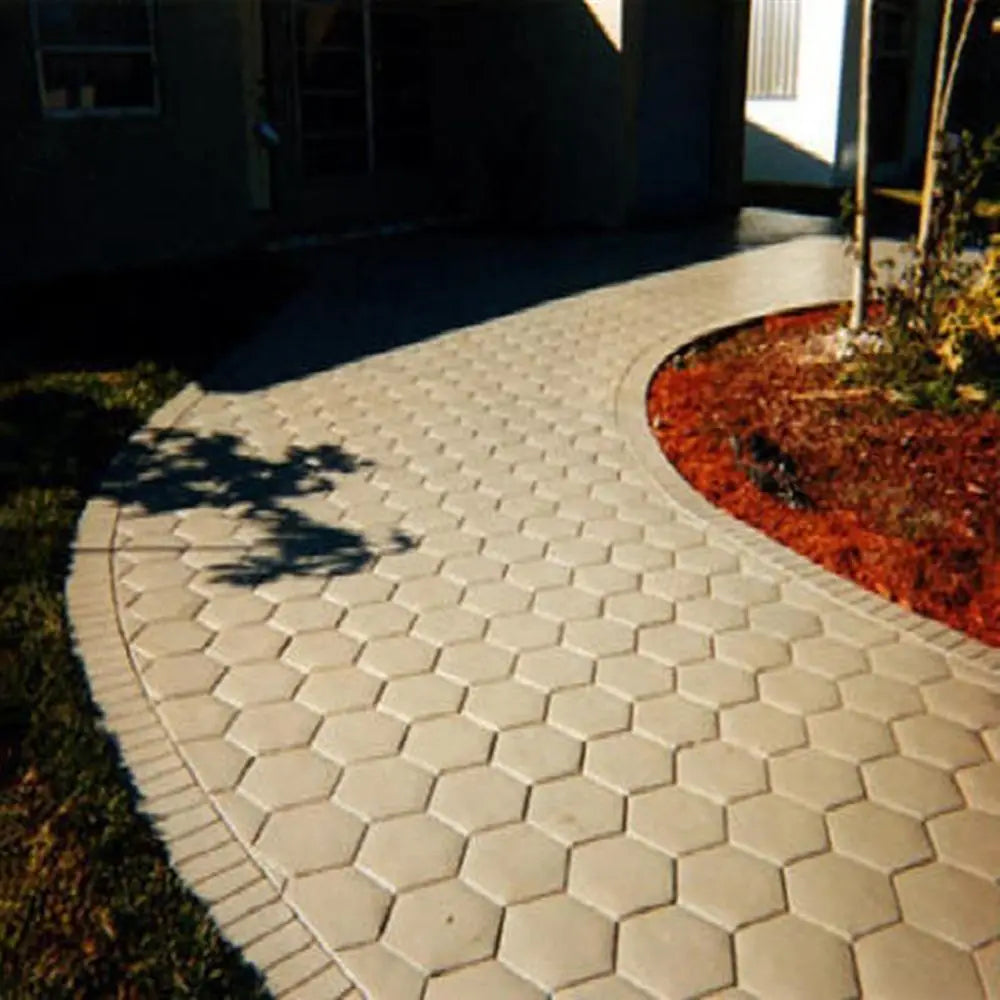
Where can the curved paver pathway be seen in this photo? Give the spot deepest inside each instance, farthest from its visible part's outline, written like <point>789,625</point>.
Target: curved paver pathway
<point>488,704</point>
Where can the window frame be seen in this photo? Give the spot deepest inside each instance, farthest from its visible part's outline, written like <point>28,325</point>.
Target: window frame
<point>152,110</point>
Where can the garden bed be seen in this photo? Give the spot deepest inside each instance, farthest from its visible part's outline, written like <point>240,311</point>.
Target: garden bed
<point>901,501</point>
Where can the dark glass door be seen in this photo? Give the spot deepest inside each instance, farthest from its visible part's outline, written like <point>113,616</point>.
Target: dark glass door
<point>351,81</point>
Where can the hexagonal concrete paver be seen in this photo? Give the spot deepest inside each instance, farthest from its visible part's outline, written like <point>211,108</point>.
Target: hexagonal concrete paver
<point>720,771</point>
<point>397,656</point>
<point>360,911</point>
<point>776,828</point>
<point>306,614</point>
<point>420,697</point>
<point>575,808</point>
<point>475,663</point>
<point>950,904</point>
<point>841,895</point>
<point>279,725</point>
<point>619,876</point>
<point>902,961</point>
<point>407,851</point>
<point>257,683</point>
<point>585,937</point>
<point>554,668</point>
<point>815,779</point>
<point>762,729</point>
<point>729,887</point>
<point>673,953</point>
<point>477,798</point>
<point>799,691</point>
<point>628,763</point>
<point>240,609</point>
<point>288,778</point>
<point>166,638</point>
<point>879,837</point>
<point>908,662</point>
<point>448,625</point>
<point>442,926</point>
<point>673,644</point>
<point>246,643</point>
<point>786,957</point>
<point>514,863</point>
<point>715,684</point>
<point>342,690</point>
<point>969,839</point>
<point>485,980</point>
<point>182,674</point>
<point>447,742</point>
<point>309,837</point>
<point>969,705</point>
<point>851,735</point>
<point>939,742</point>
<point>632,676</point>
<point>357,736</point>
<point>911,787</point>
<point>675,721</point>
<point>323,649</point>
<point>588,712</point>
<point>675,820</point>
<point>537,752</point>
<point>981,786</point>
<point>380,789</point>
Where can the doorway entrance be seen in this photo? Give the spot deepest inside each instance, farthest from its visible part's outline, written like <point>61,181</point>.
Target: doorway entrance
<point>350,85</point>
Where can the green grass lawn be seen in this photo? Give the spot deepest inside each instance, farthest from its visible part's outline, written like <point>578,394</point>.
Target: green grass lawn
<point>89,906</point>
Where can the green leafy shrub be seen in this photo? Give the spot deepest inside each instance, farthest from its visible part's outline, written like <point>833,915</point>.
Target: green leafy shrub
<point>934,332</point>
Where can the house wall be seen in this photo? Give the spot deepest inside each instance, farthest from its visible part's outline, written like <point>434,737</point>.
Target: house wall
<point>88,193</point>
<point>928,13</point>
<point>689,105</point>
<point>529,111</point>
<point>545,112</point>
<point>796,140</point>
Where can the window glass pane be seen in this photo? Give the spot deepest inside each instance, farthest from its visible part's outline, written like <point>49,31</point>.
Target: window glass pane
<point>328,70</point>
<point>324,156</point>
<point>93,22</point>
<point>97,80</point>
<point>332,112</point>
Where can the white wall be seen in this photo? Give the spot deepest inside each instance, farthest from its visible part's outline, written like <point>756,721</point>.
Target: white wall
<point>609,16</point>
<point>795,141</point>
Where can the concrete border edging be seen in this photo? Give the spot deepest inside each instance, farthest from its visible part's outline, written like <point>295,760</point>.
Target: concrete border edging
<point>979,662</point>
<point>204,849</point>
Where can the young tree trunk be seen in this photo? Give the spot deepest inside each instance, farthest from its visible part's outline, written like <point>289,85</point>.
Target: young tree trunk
<point>862,233</point>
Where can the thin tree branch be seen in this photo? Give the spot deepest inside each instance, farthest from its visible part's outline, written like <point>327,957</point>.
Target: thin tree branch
<point>963,37</point>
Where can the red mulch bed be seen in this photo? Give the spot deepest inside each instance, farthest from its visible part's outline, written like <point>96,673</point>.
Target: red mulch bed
<point>906,501</point>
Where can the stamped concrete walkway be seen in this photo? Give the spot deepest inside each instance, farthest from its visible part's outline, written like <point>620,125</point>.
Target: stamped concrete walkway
<point>442,685</point>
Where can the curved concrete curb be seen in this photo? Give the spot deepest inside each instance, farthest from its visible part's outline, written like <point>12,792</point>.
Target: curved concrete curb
<point>982,662</point>
<point>205,850</point>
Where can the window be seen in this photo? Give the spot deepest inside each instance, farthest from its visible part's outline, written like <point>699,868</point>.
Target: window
<point>774,49</point>
<point>95,57</point>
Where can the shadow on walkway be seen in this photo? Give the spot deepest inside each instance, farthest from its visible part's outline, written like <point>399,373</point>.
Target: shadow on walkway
<point>367,297</point>
<point>166,471</point>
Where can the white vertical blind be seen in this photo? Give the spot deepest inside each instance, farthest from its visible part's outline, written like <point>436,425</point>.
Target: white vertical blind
<point>774,49</point>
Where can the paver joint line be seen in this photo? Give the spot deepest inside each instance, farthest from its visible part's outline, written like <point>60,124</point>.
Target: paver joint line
<point>578,705</point>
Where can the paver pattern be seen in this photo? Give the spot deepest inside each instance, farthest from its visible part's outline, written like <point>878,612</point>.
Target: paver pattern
<point>496,715</point>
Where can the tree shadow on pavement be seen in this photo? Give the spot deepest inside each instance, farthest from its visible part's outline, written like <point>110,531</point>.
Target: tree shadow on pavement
<point>280,521</point>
